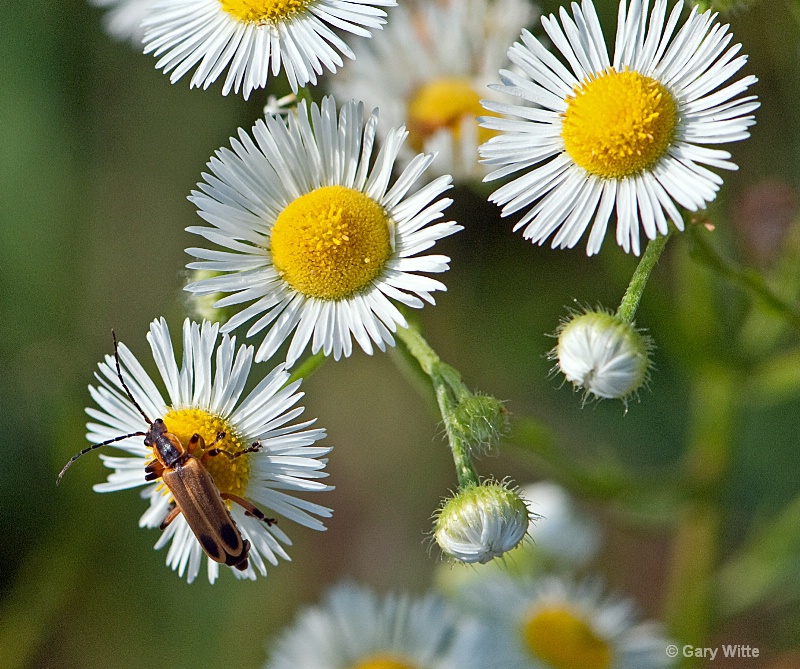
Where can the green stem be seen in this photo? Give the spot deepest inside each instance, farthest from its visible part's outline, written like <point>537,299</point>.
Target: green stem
<point>690,610</point>
<point>449,392</point>
<point>747,279</point>
<point>308,367</point>
<point>427,358</point>
<point>465,471</point>
<point>305,94</point>
<point>633,295</point>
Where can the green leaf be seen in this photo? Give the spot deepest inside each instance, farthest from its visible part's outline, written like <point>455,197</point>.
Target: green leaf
<point>767,566</point>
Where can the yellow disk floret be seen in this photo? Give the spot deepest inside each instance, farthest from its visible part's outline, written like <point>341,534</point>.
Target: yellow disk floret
<point>331,243</point>
<point>384,662</point>
<point>619,123</point>
<point>264,11</point>
<point>229,476</point>
<point>443,104</point>
<point>563,640</point>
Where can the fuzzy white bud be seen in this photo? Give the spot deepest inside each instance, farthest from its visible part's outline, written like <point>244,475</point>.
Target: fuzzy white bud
<point>481,522</point>
<point>603,355</point>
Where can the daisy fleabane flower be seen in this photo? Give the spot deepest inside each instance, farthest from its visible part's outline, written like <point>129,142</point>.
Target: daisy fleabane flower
<point>430,69</point>
<point>124,18</point>
<point>553,623</point>
<point>316,238</point>
<point>253,38</point>
<point>354,628</point>
<point>626,134</point>
<point>205,399</point>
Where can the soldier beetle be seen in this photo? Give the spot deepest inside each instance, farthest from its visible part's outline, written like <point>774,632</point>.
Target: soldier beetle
<point>193,490</point>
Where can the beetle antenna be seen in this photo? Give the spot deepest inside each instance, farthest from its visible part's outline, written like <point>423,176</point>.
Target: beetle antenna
<point>122,381</point>
<point>92,447</point>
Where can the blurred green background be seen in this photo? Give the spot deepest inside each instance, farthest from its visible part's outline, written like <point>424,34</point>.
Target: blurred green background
<point>98,152</point>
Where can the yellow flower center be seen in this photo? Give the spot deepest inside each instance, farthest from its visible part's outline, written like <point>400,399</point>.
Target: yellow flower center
<point>384,662</point>
<point>563,640</point>
<point>443,104</point>
<point>331,243</point>
<point>619,123</point>
<point>229,475</point>
<point>264,11</point>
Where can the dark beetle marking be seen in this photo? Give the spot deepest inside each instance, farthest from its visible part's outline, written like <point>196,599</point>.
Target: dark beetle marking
<point>229,535</point>
<point>242,563</point>
<point>209,546</point>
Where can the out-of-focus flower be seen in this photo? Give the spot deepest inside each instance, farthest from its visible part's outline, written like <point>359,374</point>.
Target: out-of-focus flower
<point>555,624</point>
<point>430,70</point>
<point>356,629</point>
<point>763,215</point>
<point>123,18</point>
<point>280,106</point>
<point>560,531</point>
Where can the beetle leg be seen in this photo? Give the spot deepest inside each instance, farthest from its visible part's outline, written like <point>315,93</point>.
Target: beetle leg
<point>254,448</point>
<point>195,442</point>
<point>249,508</point>
<point>198,442</point>
<point>153,470</point>
<point>172,515</point>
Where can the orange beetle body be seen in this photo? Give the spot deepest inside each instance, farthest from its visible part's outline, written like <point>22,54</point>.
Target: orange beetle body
<point>196,496</point>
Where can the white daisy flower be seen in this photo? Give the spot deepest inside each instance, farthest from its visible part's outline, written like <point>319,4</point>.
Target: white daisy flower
<point>354,628</point>
<point>124,18</point>
<point>314,237</point>
<point>253,38</point>
<point>206,401</point>
<point>628,134</point>
<point>430,70</point>
<point>555,624</point>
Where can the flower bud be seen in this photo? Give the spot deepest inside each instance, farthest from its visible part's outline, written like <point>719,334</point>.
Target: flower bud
<point>603,355</point>
<point>481,522</point>
<point>479,422</point>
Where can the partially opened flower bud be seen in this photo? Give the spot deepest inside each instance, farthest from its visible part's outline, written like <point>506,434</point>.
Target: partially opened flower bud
<point>481,522</point>
<point>602,354</point>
